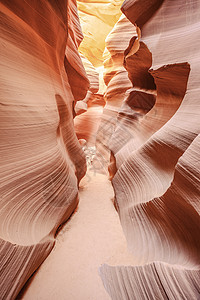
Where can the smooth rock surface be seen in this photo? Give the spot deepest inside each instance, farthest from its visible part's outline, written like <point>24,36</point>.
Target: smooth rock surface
<point>41,159</point>
<point>51,106</point>
<point>156,167</point>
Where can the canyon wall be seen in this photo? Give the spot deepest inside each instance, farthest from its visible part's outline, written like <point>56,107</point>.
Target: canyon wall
<point>116,80</point>
<point>40,156</point>
<point>148,129</point>
<point>89,110</point>
<point>97,19</point>
<point>155,170</point>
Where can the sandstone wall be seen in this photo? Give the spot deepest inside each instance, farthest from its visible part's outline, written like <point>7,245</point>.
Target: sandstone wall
<point>40,157</point>
<point>156,179</point>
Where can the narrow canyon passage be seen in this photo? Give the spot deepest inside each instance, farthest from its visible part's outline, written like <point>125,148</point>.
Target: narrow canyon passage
<point>91,237</point>
<point>99,150</point>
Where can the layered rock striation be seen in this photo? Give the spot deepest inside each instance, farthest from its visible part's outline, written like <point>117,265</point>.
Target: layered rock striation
<point>41,159</point>
<point>149,129</point>
<point>116,80</point>
<point>156,178</point>
<point>89,110</point>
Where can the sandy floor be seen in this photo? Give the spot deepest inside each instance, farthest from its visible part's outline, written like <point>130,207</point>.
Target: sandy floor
<point>92,236</point>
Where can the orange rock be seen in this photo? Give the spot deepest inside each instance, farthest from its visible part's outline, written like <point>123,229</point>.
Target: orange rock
<point>40,157</point>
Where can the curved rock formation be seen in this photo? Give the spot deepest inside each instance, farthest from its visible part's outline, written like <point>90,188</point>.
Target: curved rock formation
<point>93,76</point>
<point>157,165</point>
<point>150,125</point>
<point>167,228</point>
<point>73,64</point>
<point>116,79</point>
<point>97,20</point>
<point>89,110</point>
<point>41,159</point>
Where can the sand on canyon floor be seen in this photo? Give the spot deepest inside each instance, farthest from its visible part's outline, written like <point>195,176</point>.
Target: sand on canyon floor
<point>91,237</point>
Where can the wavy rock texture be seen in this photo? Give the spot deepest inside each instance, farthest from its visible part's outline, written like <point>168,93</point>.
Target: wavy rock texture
<point>116,79</point>
<point>89,110</point>
<point>169,227</point>
<point>73,64</point>
<point>150,124</point>
<point>93,76</point>
<point>97,20</point>
<point>41,159</point>
<point>156,178</point>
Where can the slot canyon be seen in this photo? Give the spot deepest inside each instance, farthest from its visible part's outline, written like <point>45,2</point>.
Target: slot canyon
<point>100,150</point>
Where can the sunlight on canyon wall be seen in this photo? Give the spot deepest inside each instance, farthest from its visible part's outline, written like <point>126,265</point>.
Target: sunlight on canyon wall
<point>125,87</point>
